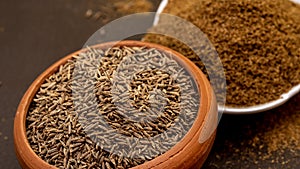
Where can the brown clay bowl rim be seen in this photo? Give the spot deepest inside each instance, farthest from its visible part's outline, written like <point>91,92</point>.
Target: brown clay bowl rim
<point>27,157</point>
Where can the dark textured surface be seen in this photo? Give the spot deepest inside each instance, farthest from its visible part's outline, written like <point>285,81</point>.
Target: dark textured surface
<point>34,34</point>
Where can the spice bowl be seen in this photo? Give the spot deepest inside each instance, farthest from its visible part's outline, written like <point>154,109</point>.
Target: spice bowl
<point>252,84</point>
<point>191,123</point>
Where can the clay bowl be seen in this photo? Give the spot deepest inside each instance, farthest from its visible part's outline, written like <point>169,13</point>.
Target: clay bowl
<point>190,152</point>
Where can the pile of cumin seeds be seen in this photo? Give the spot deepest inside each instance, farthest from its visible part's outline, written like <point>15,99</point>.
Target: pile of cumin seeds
<point>258,43</point>
<point>100,109</point>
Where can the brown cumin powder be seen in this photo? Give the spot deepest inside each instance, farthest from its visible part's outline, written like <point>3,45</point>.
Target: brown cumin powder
<point>258,43</point>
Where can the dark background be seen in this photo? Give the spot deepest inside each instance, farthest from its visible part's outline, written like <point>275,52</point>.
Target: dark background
<point>34,34</point>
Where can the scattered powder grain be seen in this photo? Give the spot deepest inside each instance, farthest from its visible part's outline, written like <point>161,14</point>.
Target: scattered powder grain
<point>268,140</point>
<point>105,11</point>
<point>285,134</point>
<point>133,6</point>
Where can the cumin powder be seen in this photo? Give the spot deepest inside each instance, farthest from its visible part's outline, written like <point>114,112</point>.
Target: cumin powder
<point>257,41</point>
